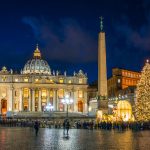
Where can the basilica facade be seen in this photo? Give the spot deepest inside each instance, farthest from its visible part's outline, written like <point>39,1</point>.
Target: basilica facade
<point>36,86</point>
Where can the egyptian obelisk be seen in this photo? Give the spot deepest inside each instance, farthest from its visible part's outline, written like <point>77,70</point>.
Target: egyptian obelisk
<point>102,70</point>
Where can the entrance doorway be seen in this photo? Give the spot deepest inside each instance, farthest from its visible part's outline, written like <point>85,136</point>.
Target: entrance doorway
<point>25,105</point>
<point>80,106</point>
<point>3,106</point>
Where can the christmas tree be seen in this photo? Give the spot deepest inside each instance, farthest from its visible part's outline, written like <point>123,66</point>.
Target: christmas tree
<point>142,104</point>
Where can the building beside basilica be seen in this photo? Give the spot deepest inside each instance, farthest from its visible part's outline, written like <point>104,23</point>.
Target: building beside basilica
<point>36,86</point>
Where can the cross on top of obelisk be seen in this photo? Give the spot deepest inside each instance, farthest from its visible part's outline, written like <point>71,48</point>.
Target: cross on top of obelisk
<point>101,23</point>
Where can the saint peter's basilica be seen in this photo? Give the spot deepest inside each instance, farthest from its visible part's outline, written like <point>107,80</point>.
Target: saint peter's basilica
<point>37,85</point>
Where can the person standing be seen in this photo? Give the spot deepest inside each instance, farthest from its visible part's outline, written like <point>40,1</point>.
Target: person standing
<point>64,126</point>
<point>36,127</point>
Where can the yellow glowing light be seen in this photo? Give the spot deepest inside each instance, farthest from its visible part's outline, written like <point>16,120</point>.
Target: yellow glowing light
<point>90,108</point>
<point>124,111</point>
<point>51,81</point>
<point>36,80</point>
<point>37,53</point>
<point>99,114</point>
<point>80,94</point>
<point>80,81</point>
<point>61,80</point>
<point>26,79</point>
<point>16,80</point>
<point>69,81</point>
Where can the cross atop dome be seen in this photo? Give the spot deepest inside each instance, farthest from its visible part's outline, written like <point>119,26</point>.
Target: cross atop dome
<point>37,53</point>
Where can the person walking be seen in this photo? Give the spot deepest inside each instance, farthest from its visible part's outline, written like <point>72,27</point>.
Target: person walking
<point>67,126</point>
<point>36,127</point>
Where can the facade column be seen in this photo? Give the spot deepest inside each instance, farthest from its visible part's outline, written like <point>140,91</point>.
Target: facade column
<point>20,100</point>
<point>75,95</point>
<point>54,99</point>
<point>51,97</point>
<point>1,106</point>
<point>48,96</point>
<point>33,99</point>
<point>85,109</point>
<point>10,100</point>
<point>11,97</point>
<point>72,105</point>
<point>39,100</point>
<point>57,100</point>
<point>29,100</point>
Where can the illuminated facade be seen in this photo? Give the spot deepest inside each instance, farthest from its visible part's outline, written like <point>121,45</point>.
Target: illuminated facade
<point>120,80</point>
<point>36,86</point>
<point>122,93</point>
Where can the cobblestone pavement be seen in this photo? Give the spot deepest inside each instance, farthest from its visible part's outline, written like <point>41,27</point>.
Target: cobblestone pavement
<point>52,139</point>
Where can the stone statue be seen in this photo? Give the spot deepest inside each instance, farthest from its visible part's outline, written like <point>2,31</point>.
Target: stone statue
<point>11,71</point>
<point>65,73</point>
<point>53,73</point>
<point>57,72</point>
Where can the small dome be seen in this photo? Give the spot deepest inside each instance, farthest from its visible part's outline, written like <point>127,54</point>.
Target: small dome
<point>37,65</point>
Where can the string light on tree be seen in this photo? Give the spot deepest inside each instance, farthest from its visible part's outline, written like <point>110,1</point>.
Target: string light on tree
<point>142,105</point>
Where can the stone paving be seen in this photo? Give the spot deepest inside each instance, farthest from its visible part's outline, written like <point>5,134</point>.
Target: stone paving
<point>52,139</point>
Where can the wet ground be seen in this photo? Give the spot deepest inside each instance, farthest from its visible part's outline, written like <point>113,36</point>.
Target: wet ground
<point>53,139</point>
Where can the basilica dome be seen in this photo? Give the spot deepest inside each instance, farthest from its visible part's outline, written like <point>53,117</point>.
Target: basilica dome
<point>36,65</point>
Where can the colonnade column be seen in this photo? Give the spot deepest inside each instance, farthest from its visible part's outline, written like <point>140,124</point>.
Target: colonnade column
<point>33,99</point>
<point>20,100</point>
<point>39,100</point>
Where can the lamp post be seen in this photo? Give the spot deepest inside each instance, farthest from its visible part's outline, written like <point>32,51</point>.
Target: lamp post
<point>49,107</point>
<point>67,101</point>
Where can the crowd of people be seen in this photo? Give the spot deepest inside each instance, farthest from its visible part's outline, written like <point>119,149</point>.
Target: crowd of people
<point>114,125</point>
<point>78,124</point>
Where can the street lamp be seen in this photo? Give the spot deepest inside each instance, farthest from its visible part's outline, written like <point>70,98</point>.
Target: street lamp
<point>49,107</point>
<point>67,101</point>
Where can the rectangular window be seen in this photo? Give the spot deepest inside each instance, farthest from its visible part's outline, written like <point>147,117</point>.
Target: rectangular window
<point>119,80</point>
<point>36,80</point>
<point>51,81</point>
<point>61,93</point>
<point>69,81</point>
<point>51,93</point>
<point>26,79</point>
<point>26,92</point>
<point>44,94</point>
<point>16,80</point>
<point>80,94</point>
<point>61,81</point>
<point>4,79</point>
<point>36,93</point>
<point>80,81</point>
